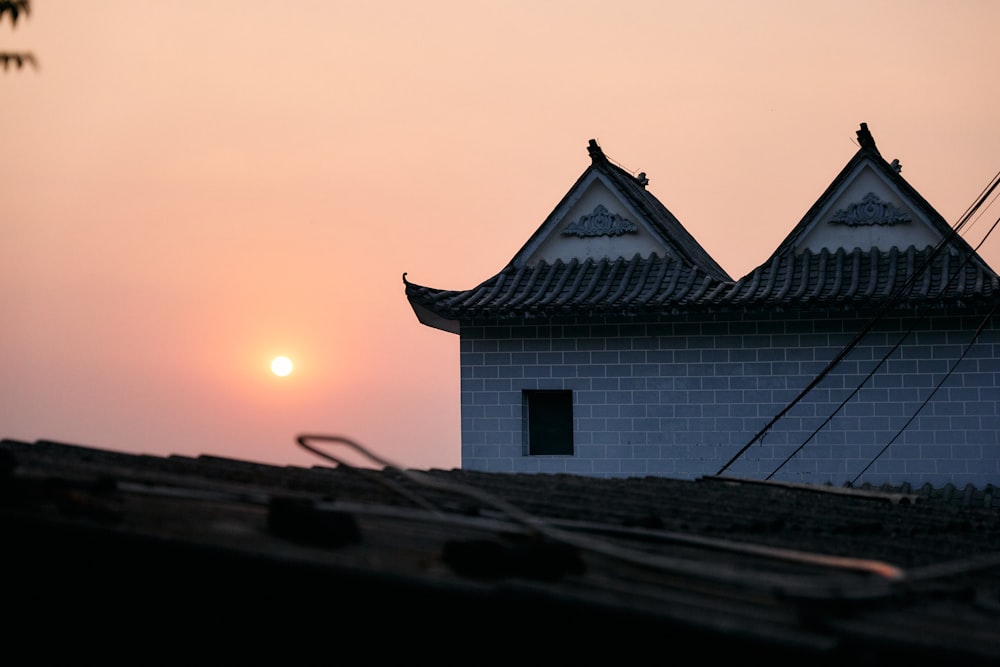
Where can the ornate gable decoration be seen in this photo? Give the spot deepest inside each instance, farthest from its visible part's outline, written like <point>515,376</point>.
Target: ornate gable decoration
<point>870,211</point>
<point>601,222</point>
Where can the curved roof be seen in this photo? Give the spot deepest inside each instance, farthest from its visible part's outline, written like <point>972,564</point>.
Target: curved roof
<point>865,277</point>
<point>566,288</point>
<point>870,240</point>
<point>657,285</point>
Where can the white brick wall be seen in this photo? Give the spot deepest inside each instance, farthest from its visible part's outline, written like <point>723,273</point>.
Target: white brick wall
<point>679,397</point>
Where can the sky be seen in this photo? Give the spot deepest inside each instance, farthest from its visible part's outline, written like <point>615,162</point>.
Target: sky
<point>190,189</point>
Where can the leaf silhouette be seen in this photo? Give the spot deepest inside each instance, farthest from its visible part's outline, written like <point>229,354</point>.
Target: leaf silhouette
<point>16,9</point>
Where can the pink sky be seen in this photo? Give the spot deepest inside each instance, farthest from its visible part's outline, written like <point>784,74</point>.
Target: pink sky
<point>190,189</point>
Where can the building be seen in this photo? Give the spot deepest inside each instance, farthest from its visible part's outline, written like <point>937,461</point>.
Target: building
<point>863,350</point>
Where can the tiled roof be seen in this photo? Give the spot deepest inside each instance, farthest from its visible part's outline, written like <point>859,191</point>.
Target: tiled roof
<point>949,273</point>
<point>681,242</point>
<point>144,555</point>
<point>660,285</point>
<point>868,153</point>
<point>566,288</point>
<point>860,277</point>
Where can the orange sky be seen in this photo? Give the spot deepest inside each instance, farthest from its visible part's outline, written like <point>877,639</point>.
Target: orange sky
<point>190,189</point>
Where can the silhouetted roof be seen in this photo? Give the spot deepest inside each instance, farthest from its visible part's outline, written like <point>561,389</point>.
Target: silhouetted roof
<point>108,553</point>
<point>908,256</point>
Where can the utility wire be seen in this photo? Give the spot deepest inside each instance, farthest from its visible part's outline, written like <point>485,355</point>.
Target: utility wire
<point>983,195</point>
<point>979,330</point>
<point>882,361</point>
<point>842,403</point>
<point>885,358</point>
<point>972,223</point>
<point>858,337</point>
<point>938,386</point>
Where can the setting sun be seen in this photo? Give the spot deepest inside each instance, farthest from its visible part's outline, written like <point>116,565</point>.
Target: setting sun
<point>281,366</point>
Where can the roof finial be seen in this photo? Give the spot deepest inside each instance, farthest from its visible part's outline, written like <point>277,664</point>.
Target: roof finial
<point>865,138</point>
<point>595,151</point>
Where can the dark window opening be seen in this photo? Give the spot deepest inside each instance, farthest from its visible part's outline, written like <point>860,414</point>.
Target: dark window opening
<point>550,422</point>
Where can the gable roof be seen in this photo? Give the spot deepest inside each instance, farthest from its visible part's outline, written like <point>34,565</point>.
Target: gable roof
<point>609,215</point>
<point>871,238</point>
<point>870,205</point>
<point>611,247</point>
<point>608,245</point>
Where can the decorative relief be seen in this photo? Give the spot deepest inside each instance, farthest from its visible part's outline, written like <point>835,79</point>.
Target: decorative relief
<point>870,211</point>
<point>601,222</point>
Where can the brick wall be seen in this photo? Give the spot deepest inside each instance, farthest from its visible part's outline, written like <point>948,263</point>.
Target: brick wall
<point>681,396</point>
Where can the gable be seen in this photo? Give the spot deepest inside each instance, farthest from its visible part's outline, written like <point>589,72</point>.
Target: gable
<point>609,215</point>
<point>870,207</point>
<point>597,223</point>
<point>868,211</point>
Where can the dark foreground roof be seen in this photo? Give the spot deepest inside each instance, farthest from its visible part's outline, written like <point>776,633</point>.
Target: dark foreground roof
<point>109,554</point>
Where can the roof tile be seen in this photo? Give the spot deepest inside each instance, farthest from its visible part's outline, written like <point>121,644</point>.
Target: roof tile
<point>656,284</point>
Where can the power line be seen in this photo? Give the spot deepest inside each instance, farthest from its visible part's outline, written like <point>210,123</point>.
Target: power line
<point>929,396</point>
<point>885,358</point>
<point>860,335</point>
<point>842,403</point>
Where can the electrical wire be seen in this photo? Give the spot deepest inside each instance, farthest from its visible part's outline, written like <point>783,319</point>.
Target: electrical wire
<point>882,361</point>
<point>842,403</point>
<point>972,223</point>
<point>879,314</point>
<point>929,396</point>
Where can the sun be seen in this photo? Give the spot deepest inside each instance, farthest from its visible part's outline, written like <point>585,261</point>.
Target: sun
<point>281,366</point>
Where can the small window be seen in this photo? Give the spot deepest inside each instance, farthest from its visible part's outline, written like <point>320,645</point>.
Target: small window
<point>550,422</point>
